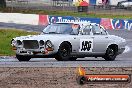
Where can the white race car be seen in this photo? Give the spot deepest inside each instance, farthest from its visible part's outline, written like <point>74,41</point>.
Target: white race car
<point>67,42</point>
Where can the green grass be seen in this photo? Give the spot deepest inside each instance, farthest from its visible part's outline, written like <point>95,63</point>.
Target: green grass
<point>5,40</point>
<point>71,13</point>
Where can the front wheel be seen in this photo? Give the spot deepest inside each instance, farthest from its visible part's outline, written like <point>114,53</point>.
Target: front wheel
<point>23,58</point>
<point>111,54</point>
<point>64,52</point>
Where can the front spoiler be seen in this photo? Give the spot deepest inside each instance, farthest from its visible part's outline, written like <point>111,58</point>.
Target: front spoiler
<point>37,54</point>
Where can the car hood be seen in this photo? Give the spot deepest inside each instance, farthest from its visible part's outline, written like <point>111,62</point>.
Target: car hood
<point>42,37</point>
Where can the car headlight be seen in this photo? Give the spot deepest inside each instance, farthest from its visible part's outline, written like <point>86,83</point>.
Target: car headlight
<point>19,42</point>
<point>13,42</point>
<point>41,42</point>
<point>48,44</point>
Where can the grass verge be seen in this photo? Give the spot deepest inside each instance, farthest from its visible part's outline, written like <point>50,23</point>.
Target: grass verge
<point>5,40</point>
<point>70,13</point>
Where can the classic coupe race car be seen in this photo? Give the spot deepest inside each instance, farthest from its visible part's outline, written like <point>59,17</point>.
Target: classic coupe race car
<point>67,42</point>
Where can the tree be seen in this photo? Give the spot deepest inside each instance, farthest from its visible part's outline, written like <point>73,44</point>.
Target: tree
<point>3,3</point>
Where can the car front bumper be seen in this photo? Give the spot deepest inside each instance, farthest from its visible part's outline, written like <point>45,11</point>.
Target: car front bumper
<point>33,53</point>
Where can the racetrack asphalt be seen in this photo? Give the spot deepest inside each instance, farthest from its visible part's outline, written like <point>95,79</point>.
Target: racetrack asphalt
<point>123,60</point>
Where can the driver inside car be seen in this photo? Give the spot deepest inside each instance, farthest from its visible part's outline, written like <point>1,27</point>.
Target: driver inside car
<point>75,28</point>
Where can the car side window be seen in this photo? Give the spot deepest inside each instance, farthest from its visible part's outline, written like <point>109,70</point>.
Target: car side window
<point>75,29</point>
<point>87,30</point>
<point>96,30</point>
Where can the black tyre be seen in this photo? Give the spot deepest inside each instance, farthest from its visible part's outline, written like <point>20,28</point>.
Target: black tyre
<point>73,58</point>
<point>81,80</point>
<point>64,52</point>
<point>111,54</point>
<point>23,58</point>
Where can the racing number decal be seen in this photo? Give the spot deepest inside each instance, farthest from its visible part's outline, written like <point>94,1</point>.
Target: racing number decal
<point>86,45</point>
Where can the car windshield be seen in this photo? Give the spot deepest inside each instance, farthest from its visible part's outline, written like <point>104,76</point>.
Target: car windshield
<point>59,29</point>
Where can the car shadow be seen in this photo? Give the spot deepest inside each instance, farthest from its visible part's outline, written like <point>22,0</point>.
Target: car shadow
<point>90,60</point>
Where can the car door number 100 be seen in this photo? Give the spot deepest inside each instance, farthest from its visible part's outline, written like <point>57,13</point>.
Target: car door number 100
<point>86,45</point>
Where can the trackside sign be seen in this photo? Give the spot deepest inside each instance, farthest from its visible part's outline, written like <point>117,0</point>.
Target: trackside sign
<point>107,23</point>
<point>84,78</point>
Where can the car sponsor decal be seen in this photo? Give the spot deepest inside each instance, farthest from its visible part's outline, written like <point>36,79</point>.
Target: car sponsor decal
<point>86,45</point>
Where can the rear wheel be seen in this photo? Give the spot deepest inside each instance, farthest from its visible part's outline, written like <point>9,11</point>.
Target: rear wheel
<point>111,54</point>
<point>64,53</point>
<point>23,58</point>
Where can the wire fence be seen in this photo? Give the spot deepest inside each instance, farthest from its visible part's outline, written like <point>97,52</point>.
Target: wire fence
<point>64,5</point>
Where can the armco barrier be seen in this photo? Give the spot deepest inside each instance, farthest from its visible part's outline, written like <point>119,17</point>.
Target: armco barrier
<point>43,20</point>
<point>35,19</point>
<point>118,24</point>
<point>19,18</point>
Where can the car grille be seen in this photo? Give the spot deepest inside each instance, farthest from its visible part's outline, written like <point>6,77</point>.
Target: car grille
<point>30,44</point>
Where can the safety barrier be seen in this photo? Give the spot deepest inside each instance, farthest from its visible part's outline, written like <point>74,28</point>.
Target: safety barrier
<point>19,18</point>
<point>107,23</point>
<point>35,19</point>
